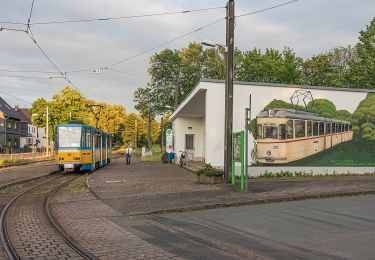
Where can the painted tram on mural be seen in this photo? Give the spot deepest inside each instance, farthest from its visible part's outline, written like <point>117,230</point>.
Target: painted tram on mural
<point>286,135</point>
<point>81,147</point>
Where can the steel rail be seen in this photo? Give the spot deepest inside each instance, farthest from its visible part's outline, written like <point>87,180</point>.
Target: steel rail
<point>70,241</point>
<point>4,236</point>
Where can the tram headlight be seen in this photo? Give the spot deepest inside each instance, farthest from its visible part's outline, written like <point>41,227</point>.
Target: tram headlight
<point>268,153</point>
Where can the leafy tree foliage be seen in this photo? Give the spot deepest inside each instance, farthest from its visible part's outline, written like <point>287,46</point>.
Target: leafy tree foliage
<point>71,104</point>
<point>323,107</point>
<point>135,132</point>
<point>364,118</point>
<point>362,68</point>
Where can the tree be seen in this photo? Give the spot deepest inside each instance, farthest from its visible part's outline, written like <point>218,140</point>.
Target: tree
<point>323,107</point>
<point>343,115</point>
<point>135,130</point>
<point>364,118</point>
<point>69,103</point>
<point>111,117</point>
<point>362,68</point>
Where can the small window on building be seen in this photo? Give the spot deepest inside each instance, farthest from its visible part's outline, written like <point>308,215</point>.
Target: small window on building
<point>189,142</point>
<point>282,132</point>
<point>9,125</point>
<point>15,125</point>
<point>259,132</point>
<point>309,128</point>
<point>321,128</point>
<point>315,128</point>
<point>300,128</point>
<point>290,129</point>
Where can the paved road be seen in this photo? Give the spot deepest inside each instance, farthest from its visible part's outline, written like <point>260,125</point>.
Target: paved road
<point>335,228</point>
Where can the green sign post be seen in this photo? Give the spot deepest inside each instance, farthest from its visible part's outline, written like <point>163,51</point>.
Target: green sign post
<point>238,156</point>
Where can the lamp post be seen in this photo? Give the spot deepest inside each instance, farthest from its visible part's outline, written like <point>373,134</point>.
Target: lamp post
<point>229,49</point>
<point>33,134</point>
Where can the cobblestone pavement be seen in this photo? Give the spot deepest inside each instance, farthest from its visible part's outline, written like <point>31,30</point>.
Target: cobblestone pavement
<point>88,221</point>
<point>30,233</point>
<point>103,223</point>
<point>25,172</point>
<point>143,188</point>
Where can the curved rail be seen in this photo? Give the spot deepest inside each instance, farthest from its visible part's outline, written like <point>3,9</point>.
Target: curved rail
<point>73,244</point>
<point>4,236</point>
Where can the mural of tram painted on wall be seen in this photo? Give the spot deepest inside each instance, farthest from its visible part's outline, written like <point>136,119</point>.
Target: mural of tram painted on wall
<point>286,135</point>
<point>316,134</point>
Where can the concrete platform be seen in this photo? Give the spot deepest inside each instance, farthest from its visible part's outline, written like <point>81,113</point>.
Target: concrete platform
<point>147,188</point>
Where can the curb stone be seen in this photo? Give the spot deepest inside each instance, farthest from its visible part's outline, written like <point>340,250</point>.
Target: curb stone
<point>252,202</point>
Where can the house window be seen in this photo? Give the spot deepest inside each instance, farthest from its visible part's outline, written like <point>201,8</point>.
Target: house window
<point>15,125</point>
<point>9,125</point>
<point>189,142</point>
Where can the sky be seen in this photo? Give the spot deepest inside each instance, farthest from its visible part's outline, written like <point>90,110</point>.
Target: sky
<point>309,27</point>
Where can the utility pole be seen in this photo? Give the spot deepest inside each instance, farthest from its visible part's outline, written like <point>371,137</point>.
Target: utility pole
<point>229,92</point>
<point>47,134</point>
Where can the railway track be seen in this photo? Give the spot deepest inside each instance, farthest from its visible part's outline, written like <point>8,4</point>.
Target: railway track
<point>28,229</point>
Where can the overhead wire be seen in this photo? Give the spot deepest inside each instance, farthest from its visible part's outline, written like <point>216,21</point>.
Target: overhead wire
<point>20,99</point>
<point>116,18</point>
<point>163,44</point>
<point>266,9</point>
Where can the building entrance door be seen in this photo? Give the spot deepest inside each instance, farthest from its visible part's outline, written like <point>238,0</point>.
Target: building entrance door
<point>189,146</point>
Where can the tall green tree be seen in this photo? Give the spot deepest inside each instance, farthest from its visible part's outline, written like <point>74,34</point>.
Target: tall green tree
<point>362,68</point>
<point>364,118</point>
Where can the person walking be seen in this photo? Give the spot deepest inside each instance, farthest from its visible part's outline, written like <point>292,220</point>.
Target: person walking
<point>128,154</point>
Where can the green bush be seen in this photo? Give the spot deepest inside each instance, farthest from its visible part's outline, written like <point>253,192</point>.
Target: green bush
<point>209,170</point>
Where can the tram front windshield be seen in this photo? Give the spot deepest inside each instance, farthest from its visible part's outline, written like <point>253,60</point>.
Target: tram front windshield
<point>270,131</point>
<point>69,136</point>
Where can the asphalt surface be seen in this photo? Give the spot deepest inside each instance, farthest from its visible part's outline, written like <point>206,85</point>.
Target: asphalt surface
<point>335,228</point>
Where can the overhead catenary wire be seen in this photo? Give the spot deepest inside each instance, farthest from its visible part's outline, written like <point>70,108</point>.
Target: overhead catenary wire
<point>116,18</point>
<point>163,44</point>
<point>26,77</point>
<point>266,9</point>
<point>31,36</point>
<point>10,95</point>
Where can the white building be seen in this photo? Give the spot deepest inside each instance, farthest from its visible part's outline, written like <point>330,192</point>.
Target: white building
<point>198,123</point>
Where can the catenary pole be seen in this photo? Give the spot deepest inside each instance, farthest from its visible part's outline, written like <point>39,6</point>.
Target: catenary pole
<point>47,133</point>
<point>229,91</point>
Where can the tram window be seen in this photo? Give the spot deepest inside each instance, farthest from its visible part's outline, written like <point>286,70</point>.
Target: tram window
<point>259,132</point>
<point>270,131</point>
<point>338,128</point>
<point>321,128</point>
<point>315,128</point>
<point>282,131</point>
<point>289,129</point>
<point>309,128</point>
<point>333,128</point>
<point>346,127</point>
<point>83,139</point>
<point>329,127</point>
<point>350,127</point>
<point>300,128</point>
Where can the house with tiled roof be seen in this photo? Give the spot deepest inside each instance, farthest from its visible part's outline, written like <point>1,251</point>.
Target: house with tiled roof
<point>10,127</point>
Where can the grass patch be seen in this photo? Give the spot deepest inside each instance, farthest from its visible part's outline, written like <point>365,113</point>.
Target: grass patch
<point>12,161</point>
<point>6,189</point>
<point>79,186</point>
<point>352,153</point>
<point>303,174</point>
